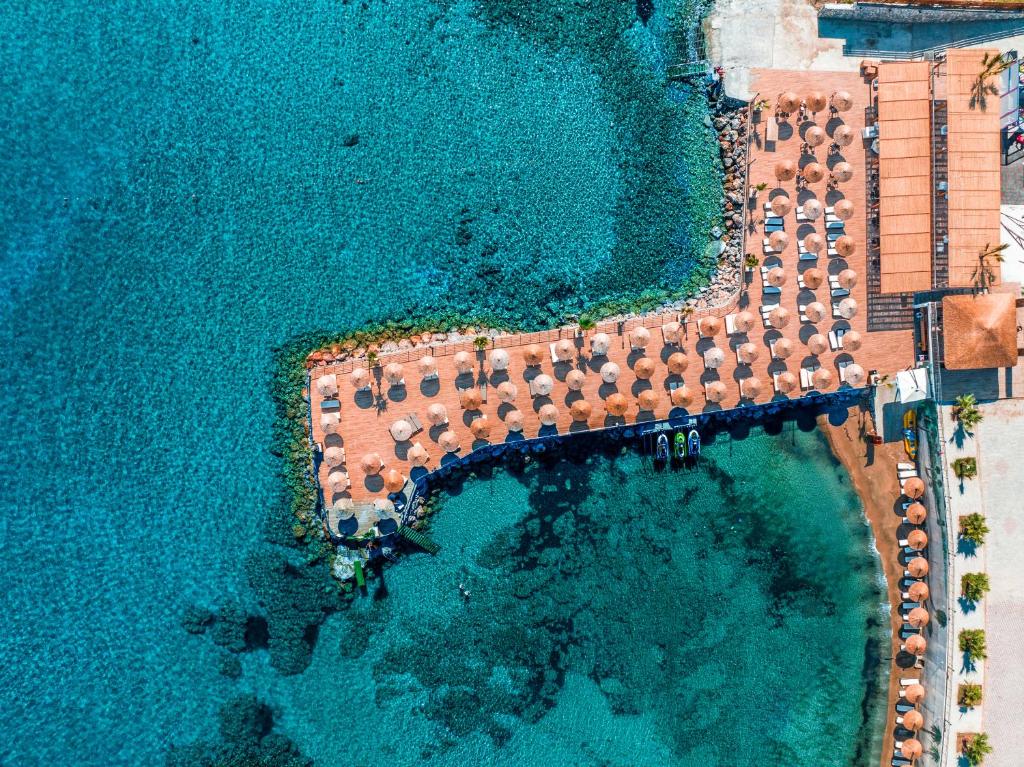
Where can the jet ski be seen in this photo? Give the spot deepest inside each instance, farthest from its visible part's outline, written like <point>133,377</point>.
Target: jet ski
<point>661,452</point>
<point>693,443</point>
<point>679,445</point>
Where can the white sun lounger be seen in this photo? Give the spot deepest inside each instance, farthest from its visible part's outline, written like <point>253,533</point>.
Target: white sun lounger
<point>835,339</point>
<point>807,255</point>
<point>775,381</point>
<point>833,252</point>
<point>806,381</point>
<point>842,370</point>
<point>906,473</point>
<point>834,224</point>
<point>730,324</point>
<point>908,682</point>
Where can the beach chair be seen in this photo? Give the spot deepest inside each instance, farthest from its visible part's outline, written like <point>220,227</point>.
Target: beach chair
<point>909,681</point>
<point>906,466</point>
<point>832,252</point>
<point>803,313</point>
<point>832,236</point>
<point>806,382</point>
<point>730,324</point>
<point>840,292</point>
<point>830,210</point>
<point>905,474</point>
<point>842,370</point>
<point>774,220</point>
<point>835,312</point>
<point>773,227</point>
<point>835,339</point>
<point>807,255</point>
<point>331,404</point>
<point>414,421</point>
<point>834,223</point>
<point>775,381</point>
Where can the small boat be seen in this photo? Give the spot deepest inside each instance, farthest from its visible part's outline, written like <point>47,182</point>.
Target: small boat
<point>680,445</point>
<point>910,433</point>
<point>693,443</point>
<point>661,452</point>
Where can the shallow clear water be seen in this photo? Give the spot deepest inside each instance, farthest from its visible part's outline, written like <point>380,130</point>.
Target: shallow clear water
<point>188,185</point>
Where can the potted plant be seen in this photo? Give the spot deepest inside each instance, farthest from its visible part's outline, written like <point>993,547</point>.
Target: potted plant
<point>969,695</point>
<point>965,468</point>
<point>975,747</point>
<point>371,359</point>
<point>973,528</point>
<point>965,411</point>
<point>480,342</point>
<point>974,586</point>
<point>750,262</point>
<point>972,644</point>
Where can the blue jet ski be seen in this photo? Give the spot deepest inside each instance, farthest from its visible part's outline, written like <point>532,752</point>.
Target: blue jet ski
<point>661,452</point>
<point>693,443</point>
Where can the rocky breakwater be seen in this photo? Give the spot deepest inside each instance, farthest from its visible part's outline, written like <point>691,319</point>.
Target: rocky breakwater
<point>731,125</point>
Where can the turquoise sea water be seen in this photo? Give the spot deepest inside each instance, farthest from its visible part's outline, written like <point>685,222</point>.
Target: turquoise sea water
<point>187,185</point>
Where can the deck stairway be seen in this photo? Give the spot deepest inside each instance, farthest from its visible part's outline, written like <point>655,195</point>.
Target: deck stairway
<point>419,539</point>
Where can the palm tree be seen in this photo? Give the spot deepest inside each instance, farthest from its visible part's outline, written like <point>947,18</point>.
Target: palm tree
<point>371,359</point>
<point>984,274</point>
<point>480,342</point>
<point>992,64</point>
<point>586,323</point>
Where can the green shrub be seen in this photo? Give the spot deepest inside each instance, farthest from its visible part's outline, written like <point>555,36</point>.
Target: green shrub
<point>976,749</point>
<point>974,586</point>
<point>972,644</point>
<point>970,695</point>
<point>973,528</point>
<point>965,468</point>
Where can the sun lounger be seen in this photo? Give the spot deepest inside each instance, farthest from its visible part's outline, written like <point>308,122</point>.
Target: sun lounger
<point>806,382</point>
<point>830,210</point>
<point>832,252</point>
<point>834,224</point>
<point>910,605</point>
<point>904,707</point>
<point>840,293</point>
<point>905,465</point>
<point>909,681</point>
<point>835,339</point>
<point>331,404</point>
<point>842,370</point>
<point>806,255</point>
<point>773,227</point>
<point>803,313</point>
<point>906,473</point>
<point>832,237</point>
<point>775,381</point>
<point>774,220</point>
<point>414,421</point>
<point>730,324</point>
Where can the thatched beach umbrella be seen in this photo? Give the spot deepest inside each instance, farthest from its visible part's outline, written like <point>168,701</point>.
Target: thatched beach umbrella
<point>815,136</point>
<point>639,337</point>
<point>776,276</point>
<point>338,480</point>
<point>481,427</point>
<point>548,414</point>
<point>744,321</point>
<point>565,350</point>
<point>779,317</point>
<point>914,693</point>
<point>750,387</point>
<point>786,382</point>
<point>360,378</point>
<point>847,308</point>
<point>330,423</point>
<point>778,240</point>
<point>427,366</point>
<point>913,720</point>
<point>817,344</point>
<point>843,135</point>
<point>709,326</point>
<point>913,488</point>
<point>644,368</point>
<point>499,359</point>
<point>842,171</point>
<point>580,410</point>
<point>916,513</point>
<point>813,242</point>
<point>844,210</point>
<point>463,362</point>
<point>785,170</point>
<point>815,311</point>
<point>918,591</point>
<point>813,172</point>
<point>855,375</point>
<point>916,644</point>
<point>822,379</point>
<point>393,374</point>
<point>437,414</point>
<point>851,340</point>
<point>917,539</point>
<point>845,245</point>
<point>671,331</point>
<point>400,430</point>
<point>781,205</point>
<point>616,404</point>
<point>677,363</point>
<point>371,463</point>
<point>393,481</point>
<point>842,101</point>
<point>917,567</point>
<point>543,385</point>
<point>418,455</point>
<point>449,442</point>
<point>383,507</point>
<point>599,344</point>
<point>647,399</point>
<point>575,379</point>
<point>812,209</point>
<point>782,348</point>
<point>918,617</point>
<point>912,748</point>
<point>471,399</point>
<point>747,353</point>
<point>334,456</point>
<point>813,277</point>
<point>847,279</point>
<point>713,358</point>
<point>507,391</point>
<point>327,385</point>
<point>514,420</point>
<point>610,372</point>
<point>533,355</point>
<point>681,396</point>
<point>714,391</point>
<point>788,102</point>
<point>816,101</point>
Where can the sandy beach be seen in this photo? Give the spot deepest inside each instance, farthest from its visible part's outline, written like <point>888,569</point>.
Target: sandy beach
<point>872,470</point>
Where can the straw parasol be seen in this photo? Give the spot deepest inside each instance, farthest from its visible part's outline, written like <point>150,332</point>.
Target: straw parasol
<point>548,414</point>
<point>609,372</point>
<point>334,456</point>
<point>851,340</point>
<point>842,101</point>
<point>844,210</point>
<point>785,170</point>
<point>449,442</point>
<point>843,135</point>
<point>750,387</point>
<point>779,317</point>
<point>918,617</point>
<point>847,278</point>
<point>713,357</point>
<point>813,242</point>
<point>846,245</point>
<point>681,396</point>
<point>745,321</point>
<point>639,337</point>
<point>914,693</point>
<point>815,311</point>
<point>788,102</point>
<point>580,410</point>
<point>842,171</point>
<point>816,101</point>
<point>499,359</point>
<point>383,507</point>
<point>747,353</point>
<point>677,363</point>
<point>599,344</point>
<point>418,455</point>
<point>327,385</point>
<point>917,539</point>
<point>393,480</point>
<point>778,240</point>
<point>817,344</point>
<point>575,379</point>
<point>671,332</point>
<point>514,420</point>
<point>813,172</point>
<point>847,308</point>
<point>565,350</point>
<point>463,362</point>
<point>812,209</point>
<point>822,379</point>
<point>781,205</point>
<point>916,513</point>
<point>786,382</point>
<point>918,591</point>
<point>782,348</point>
<point>401,430</point>
<point>916,644</point>
<point>359,378</point>
<point>507,391</point>
<point>338,481</point>
<point>393,373</point>
<point>917,567</point>
<point>470,399</point>
<point>481,427</point>
<point>715,391</point>
<point>776,276</point>
<point>647,399</point>
<point>543,385</point>
<point>616,404</point>
<point>330,422</point>
<point>533,355</point>
<point>813,277</point>
<point>913,720</point>
<point>710,326</point>
<point>427,365</point>
<point>437,414</point>
<point>855,375</point>
<point>371,463</point>
<point>644,368</point>
<point>815,136</point>
<point>912,748</point>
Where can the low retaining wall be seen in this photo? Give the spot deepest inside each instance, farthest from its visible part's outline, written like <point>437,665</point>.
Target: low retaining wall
<point>934,13</point>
